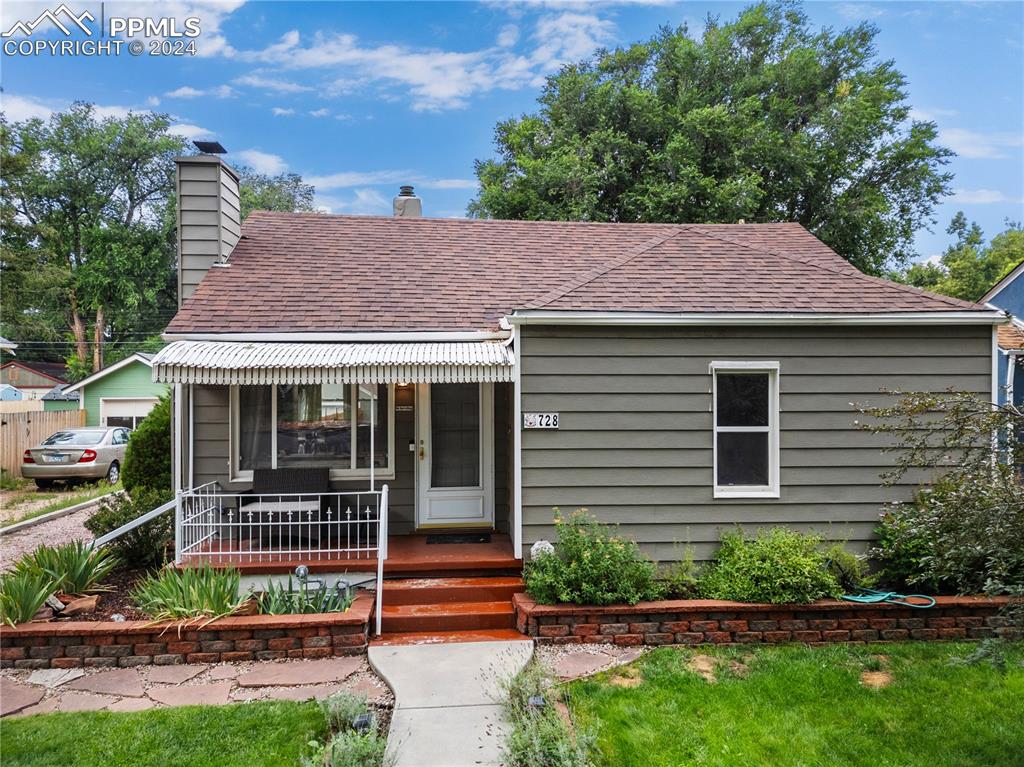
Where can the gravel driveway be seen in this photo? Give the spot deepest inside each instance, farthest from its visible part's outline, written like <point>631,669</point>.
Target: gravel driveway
<point>56,531</point>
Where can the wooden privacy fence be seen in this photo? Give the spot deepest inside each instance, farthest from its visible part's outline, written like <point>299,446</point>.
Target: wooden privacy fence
<point>20,431</point>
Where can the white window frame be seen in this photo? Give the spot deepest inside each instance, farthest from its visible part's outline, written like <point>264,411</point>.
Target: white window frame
<point>772,489</point>
<point>237,475</point>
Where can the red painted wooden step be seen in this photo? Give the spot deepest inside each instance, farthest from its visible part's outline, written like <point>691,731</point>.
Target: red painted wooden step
<point>449,616</point>
<point>425,591</point>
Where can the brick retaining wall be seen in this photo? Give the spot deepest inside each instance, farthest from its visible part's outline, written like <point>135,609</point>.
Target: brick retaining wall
<point>66,644</point>
<point>705,621</point>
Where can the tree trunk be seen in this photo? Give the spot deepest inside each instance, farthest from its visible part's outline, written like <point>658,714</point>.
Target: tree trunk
<point>78,331</point>
<point>97,343</point>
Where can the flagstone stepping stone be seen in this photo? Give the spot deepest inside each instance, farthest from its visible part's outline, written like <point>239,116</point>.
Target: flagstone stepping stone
<point>54,677</point>
<point>122,682</point>
<point>366,687</point>
<point>47,706</point>
<point>83,701</point>
<point>300,694</point>
<point>300,673</point>
<point>131,704</point>
<point>14,696</point>
<point>224,672</point>
<point>174,674</point>
<point>191,695</point>
<point>578,664</point>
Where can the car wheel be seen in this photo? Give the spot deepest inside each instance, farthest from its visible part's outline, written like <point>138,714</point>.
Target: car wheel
<point>44,484</point>
<point>114,473</point>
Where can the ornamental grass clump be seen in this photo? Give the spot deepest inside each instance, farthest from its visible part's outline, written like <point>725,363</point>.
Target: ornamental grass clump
<point>590,566</point>
<point>22,593</point>
<point>277,599</point>
<point>73,568</point>
<point>191,592</point>
<point>355,740</point>
<point>779,566</point>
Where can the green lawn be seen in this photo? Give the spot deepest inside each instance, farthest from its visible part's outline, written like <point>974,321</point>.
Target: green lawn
<point>243,735</point>
<point>795,706</point>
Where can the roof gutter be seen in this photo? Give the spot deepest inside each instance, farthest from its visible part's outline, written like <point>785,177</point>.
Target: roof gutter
<point>315,337</point>
<point>548,317</point>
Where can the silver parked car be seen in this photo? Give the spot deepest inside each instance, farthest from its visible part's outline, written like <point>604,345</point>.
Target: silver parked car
<point>77,454</point>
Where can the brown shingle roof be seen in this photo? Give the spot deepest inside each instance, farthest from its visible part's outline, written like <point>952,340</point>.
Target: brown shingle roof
<point>1010,337</point>
<point>305,272</point>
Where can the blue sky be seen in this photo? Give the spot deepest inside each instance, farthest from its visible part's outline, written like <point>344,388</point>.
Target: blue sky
<point>359,97</point>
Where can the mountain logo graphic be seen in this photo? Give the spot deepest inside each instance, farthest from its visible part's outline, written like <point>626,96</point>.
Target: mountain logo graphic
<point>54,17</point>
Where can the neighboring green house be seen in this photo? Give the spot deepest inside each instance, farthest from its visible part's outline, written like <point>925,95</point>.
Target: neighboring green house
<point>121,394</point>
<point>59,399</point>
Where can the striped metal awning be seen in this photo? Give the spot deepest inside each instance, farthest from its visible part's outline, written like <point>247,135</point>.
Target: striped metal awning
<point>224,362</point>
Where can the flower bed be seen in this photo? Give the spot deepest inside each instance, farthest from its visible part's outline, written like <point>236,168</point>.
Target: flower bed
<point>706,621</point>
<point>66,644</point>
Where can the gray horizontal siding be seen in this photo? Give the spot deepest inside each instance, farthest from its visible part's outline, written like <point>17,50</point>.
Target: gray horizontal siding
<point>634,443</point>
<point>208,221</point>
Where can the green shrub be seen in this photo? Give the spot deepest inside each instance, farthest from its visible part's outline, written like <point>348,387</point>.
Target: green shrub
<point>538,736</point>
<point>347,747</point>
<point>590,566</point>
<point>145,546</point>
<point>189,592</point>
<point>779,566</point>
<point>849,570</point>
<point>147,460</point>
<point>965,535</point>
<point>73,568</point>
<point>22,593</point>
<point>680,580</point>
<point>276,599</point>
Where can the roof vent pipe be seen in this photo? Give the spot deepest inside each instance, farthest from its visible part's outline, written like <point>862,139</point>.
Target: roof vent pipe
<point>407,204</point>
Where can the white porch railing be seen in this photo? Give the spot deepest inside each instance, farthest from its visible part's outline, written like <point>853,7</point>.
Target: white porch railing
<point>301,528</point>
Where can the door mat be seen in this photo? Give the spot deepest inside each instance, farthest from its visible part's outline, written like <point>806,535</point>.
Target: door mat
<point>459,538</point>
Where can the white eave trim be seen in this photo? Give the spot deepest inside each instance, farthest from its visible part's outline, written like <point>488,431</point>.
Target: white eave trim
<point>369,337</point>
<point>107,370</point>
<point>548,317</point>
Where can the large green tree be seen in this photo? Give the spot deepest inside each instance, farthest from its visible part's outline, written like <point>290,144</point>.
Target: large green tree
<point>969,267</point>
<point>284,192</point>
<point>87,246</point>
<point>761,119</point>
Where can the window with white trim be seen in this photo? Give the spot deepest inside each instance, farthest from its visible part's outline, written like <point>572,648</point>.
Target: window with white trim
<point>313,425</point>
<point>745,411</point>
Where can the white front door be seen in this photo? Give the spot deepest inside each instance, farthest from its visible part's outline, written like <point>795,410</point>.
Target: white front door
<point>455,455</point>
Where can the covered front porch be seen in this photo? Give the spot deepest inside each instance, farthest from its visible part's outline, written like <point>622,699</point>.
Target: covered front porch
<point>344,457</point>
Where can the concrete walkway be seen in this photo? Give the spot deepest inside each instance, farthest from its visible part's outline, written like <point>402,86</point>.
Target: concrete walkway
<point>447,711</point>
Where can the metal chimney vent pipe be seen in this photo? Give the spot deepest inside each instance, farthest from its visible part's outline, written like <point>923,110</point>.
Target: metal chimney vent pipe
<point>407,204</point>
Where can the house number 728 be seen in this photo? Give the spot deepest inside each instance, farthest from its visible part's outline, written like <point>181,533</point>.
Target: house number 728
<point>540,420</point>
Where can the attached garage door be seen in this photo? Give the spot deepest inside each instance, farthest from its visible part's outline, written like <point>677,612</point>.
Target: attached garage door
<point>125,412</point>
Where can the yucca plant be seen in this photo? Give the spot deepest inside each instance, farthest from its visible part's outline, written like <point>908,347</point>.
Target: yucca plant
<point>22,593</point>
<point>74,568</point>
<point>278,600</point>
<point>190,592</point>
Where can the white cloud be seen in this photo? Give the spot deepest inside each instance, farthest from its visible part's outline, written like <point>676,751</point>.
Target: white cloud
<point>859,11</point>
<point>153,101</point>
<point>980,196</point>
<point>282,111</point>
<point>19,108</point>
<point>975,145</point>
<point>439,79</point>
<point>190,131</point>
<point>211,15</point>
<point>188,92</point>
<point>320,112</point>
<point>931,114</point>
<point>363,201</point>
<point>263,162</point>
<point>350,179</point>
<point>272,84</point>
<point>508,36</point>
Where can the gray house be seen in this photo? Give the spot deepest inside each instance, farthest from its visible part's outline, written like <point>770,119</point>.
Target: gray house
<point>676,379</point>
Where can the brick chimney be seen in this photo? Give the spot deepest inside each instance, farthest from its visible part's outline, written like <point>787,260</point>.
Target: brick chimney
<point>209,219</point>
<point>407,204</point>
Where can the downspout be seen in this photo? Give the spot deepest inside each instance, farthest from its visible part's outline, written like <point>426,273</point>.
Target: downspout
<point>517,442</point>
